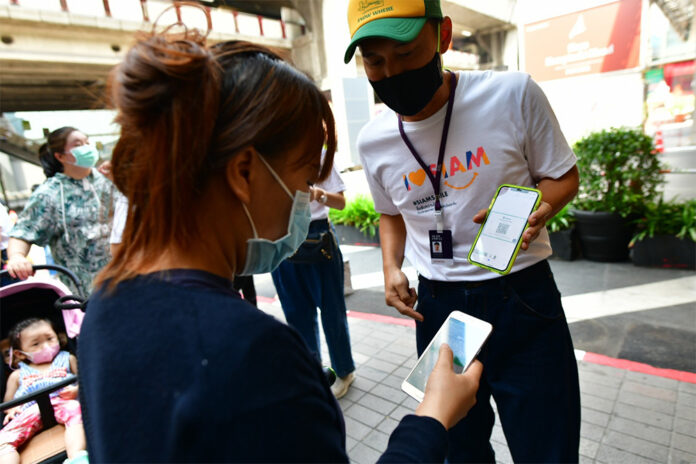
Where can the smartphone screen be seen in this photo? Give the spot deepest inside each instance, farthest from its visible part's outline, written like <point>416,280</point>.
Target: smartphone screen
<point>499,237</point>
<point>464,334</point>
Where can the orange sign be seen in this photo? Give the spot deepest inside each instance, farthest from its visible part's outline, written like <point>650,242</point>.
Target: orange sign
<point>601,39</point>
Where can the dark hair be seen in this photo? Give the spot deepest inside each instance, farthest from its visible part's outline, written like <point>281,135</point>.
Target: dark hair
<point>55,143</point>
<point>185,109</point>
<point>16,332</point>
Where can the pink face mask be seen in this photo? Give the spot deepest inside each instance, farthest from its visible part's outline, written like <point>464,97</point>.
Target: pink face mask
<point>44,355</point>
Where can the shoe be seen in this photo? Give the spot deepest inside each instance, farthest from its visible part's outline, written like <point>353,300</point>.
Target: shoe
<point>341,385</point>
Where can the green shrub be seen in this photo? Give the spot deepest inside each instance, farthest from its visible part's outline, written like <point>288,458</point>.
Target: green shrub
<point>359,212</point>
<point>667,218</point>
<point>563,220</point>
<point>619,171</point>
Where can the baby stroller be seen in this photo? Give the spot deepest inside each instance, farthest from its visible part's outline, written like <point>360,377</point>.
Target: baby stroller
<point>51,299</point>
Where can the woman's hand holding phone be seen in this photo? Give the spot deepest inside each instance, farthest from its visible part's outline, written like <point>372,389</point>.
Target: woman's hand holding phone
<point>449,396</point>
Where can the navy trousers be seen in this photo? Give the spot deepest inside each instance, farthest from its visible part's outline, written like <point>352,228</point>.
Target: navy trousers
<point>529,365</point>
<point>304,287</point>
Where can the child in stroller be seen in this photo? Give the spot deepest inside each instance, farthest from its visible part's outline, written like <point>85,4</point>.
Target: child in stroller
<point>39,362</point>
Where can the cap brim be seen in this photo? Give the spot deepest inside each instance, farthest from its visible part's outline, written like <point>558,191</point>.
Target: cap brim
<point>399,29</point>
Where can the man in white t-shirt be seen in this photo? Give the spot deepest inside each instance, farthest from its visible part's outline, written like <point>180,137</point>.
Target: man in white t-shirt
<point>433,164</point>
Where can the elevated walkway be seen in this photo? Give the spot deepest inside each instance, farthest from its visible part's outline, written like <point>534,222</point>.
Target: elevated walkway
<point>60,60</point>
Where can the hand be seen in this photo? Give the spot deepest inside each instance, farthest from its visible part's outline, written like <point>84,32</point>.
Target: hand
<point>19,267</point>
<point>10,414</point>
<point>537,220</point>
<point>316,193</point>
<point>399,295</point>
<point>68,393</point>
<point>105,169</point>
<point>449,396</point>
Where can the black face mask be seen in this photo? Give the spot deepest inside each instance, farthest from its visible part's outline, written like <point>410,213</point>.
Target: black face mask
<point>409,92</point>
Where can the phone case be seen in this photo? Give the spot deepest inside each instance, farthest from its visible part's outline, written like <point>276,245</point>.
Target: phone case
<point>519,243</point>
<point>414,391</point>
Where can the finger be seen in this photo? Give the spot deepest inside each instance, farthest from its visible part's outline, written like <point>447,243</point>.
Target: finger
<point>541,214</point>
<point>403,292</point>
<point>445,359</point>
<point>480,216</point>
<point>407,311</point>
<point>474,370</point>
<point>412,297</point>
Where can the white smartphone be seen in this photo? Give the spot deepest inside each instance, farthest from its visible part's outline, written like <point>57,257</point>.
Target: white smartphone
<point>498,240</point>
<point>464,334</point>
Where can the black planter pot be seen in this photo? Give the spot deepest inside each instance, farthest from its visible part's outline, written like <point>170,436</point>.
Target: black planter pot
<point>665,251</point>
<point>603,236</point>
<point>564,244</point>
<point>349,235</point>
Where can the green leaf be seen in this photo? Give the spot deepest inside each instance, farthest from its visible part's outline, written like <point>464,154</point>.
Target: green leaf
<point>360,213</point>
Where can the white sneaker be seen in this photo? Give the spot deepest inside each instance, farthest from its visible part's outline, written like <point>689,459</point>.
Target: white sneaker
<point>341,385</point>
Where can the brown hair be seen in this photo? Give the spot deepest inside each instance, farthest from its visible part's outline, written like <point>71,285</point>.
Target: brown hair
<point>55,143</point>
<point>185,109</point>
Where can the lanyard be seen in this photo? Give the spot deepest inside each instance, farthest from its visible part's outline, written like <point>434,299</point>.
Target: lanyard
<point>434,180</point>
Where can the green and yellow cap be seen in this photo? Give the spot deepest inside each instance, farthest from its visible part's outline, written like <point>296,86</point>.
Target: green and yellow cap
<point>400,20</point>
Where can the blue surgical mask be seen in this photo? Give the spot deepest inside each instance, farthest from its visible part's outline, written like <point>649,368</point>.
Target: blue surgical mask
<point>265,255</point>
<point>86,156</point>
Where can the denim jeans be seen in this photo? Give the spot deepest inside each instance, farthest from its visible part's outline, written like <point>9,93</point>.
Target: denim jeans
<point>529,365</point>
<point>304,287</point>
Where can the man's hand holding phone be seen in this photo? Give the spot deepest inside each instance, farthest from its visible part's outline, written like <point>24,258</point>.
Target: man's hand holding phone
<point>449,396</point>
<point>537,221</point>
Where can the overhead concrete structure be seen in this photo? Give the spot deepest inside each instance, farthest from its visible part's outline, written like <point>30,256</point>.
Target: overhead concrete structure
<point>60,60</point>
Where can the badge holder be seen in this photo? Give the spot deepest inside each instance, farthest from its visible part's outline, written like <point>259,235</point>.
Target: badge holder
<point>440,242</point>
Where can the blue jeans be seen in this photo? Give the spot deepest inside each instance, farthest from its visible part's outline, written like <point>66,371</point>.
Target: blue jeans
<point>529,365</point>
<point>304,287</point>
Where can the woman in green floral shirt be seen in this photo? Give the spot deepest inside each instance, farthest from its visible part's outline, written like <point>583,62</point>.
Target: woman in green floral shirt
<point>71,211</point>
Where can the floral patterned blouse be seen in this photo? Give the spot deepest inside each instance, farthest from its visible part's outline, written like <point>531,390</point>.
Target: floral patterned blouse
<point>73,217</point>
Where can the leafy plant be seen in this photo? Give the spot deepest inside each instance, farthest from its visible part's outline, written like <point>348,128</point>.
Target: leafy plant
<point>619,171</point>
<point>667,218</point>
<point>563,220</point>
<point>359,212</point>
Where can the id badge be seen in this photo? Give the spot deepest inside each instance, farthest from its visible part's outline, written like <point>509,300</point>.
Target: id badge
<point>441,246</point>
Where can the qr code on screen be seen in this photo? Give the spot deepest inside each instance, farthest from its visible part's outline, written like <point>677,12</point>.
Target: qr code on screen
<point>502,228</point>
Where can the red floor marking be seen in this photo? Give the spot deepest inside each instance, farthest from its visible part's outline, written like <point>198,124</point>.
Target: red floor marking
<point>594,358</point>
<point>381,318</point>
<point>682,376</point>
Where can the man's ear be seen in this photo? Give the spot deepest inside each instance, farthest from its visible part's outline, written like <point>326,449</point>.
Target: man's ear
<point>238,173</point>
<point>445,34</point>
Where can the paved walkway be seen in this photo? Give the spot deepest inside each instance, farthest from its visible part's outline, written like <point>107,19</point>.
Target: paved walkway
<point>627,417</point>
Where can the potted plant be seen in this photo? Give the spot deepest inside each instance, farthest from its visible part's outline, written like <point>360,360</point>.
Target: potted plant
<point>666,236</point>
<point>562,235</point>
<point>357,223</point>
<point>619,173</point>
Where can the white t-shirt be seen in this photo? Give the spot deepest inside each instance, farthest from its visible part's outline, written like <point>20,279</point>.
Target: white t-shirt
<point>333,184</point>
<point>120,215</point>
<point>502,130</point>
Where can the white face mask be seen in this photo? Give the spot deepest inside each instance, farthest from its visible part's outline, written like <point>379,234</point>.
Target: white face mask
<point>265,255</point>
